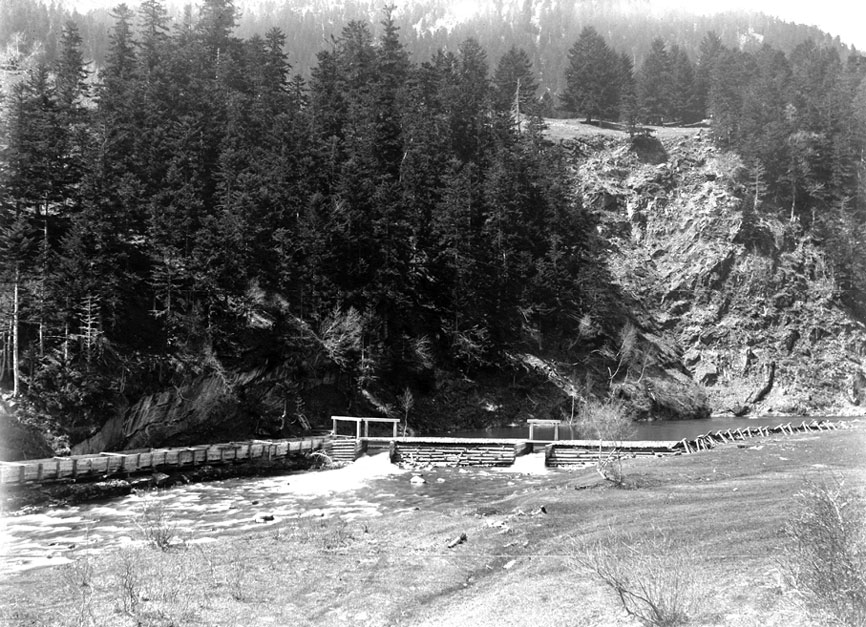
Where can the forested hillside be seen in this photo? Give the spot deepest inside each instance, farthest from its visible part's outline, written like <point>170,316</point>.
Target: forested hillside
<point>545,29</point>
<point>199,243</point>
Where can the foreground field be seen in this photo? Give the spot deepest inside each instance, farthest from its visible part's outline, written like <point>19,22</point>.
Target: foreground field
<point>721,515</point>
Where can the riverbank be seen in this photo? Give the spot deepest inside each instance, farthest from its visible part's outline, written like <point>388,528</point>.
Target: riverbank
<point>517,565</point>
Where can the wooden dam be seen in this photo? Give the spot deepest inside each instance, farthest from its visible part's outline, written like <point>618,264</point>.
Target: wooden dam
<point>444,451</point>
<point>415,451</point>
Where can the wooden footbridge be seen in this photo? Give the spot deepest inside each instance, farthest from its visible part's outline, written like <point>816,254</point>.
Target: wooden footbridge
<point>347,448</point>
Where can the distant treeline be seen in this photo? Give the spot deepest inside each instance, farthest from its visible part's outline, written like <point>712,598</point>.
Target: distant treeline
<point>545,29</point>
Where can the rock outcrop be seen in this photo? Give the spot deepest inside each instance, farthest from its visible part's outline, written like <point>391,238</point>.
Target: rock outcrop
<point>744,294</point>
<point>17,439</point>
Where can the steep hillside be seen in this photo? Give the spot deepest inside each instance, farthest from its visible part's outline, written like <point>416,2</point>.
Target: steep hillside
<point>746,295</point>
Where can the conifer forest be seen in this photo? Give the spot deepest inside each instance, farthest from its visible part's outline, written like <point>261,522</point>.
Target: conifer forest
<point>385,233</point>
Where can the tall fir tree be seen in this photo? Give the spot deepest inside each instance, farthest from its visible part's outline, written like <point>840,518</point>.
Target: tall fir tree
<point>592,77</point>
<point>515,85</point>
<point>655,84</point>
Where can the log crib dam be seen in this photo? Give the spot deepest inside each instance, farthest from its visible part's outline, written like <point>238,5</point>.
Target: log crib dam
<point>416,451</point>
<point>444,451</point>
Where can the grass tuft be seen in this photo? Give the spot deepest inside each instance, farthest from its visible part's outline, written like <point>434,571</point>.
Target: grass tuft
<point>826,557</point>
<point>656,579</point>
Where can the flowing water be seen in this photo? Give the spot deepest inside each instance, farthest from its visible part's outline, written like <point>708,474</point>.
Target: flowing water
<point>370,487</point>
<point>203,512</point>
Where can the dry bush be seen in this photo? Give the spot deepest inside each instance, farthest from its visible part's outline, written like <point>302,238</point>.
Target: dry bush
<point>79,579</point>
<point>606,421</point>
<point>657,580</point>
<point>128,584</point>
<point>155,525</point>
<point>826,556</point>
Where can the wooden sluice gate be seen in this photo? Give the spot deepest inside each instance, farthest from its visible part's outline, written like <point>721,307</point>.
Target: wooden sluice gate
<point>103,465</point>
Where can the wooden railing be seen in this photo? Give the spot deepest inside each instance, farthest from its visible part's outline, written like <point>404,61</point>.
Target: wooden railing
<point>128,462</point>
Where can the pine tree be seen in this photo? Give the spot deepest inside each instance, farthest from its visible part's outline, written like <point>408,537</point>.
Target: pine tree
<point>628,105</point>
<point>515,85</point>
<point>731,71</point>
<point>36,176</point>
<point>392,69</point>
<point>468,98</point>
<point>764,128</point>
<point>592,77</point>
<point>683,107</point>
<point>655,85</point>
<point>216,23</point>
<point>71,74</point>
<point>16,248</point>
<point>710,49</point>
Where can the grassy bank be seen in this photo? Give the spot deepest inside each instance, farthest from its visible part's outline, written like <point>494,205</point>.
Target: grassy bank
<point>723,512</point>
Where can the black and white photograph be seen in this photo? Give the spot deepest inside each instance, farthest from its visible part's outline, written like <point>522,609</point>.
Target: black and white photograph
<point>432,313</point>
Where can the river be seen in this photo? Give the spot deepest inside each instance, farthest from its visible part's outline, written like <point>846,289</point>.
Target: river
<point>203,512</point>
<point>371,486</point>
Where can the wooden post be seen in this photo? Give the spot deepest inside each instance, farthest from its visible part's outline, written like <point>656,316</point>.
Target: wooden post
<point>556,431</point>
<point>395,429</point>
<point>366,428</point>
<point>74,467</point>
<point>358,429</point>
<point>531,431</point>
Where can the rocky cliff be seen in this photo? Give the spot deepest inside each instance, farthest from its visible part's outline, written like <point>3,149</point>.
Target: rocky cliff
<point>746,295</point>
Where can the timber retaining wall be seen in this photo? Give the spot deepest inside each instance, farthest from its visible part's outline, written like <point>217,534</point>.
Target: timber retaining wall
<point>103,465</point>
<point>454,452</point>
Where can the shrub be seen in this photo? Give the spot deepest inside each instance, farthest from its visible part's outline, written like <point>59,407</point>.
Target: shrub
<point>657,580</point>
<point>155,524</point>
<point>606,421</point>
<point>826,556</point>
